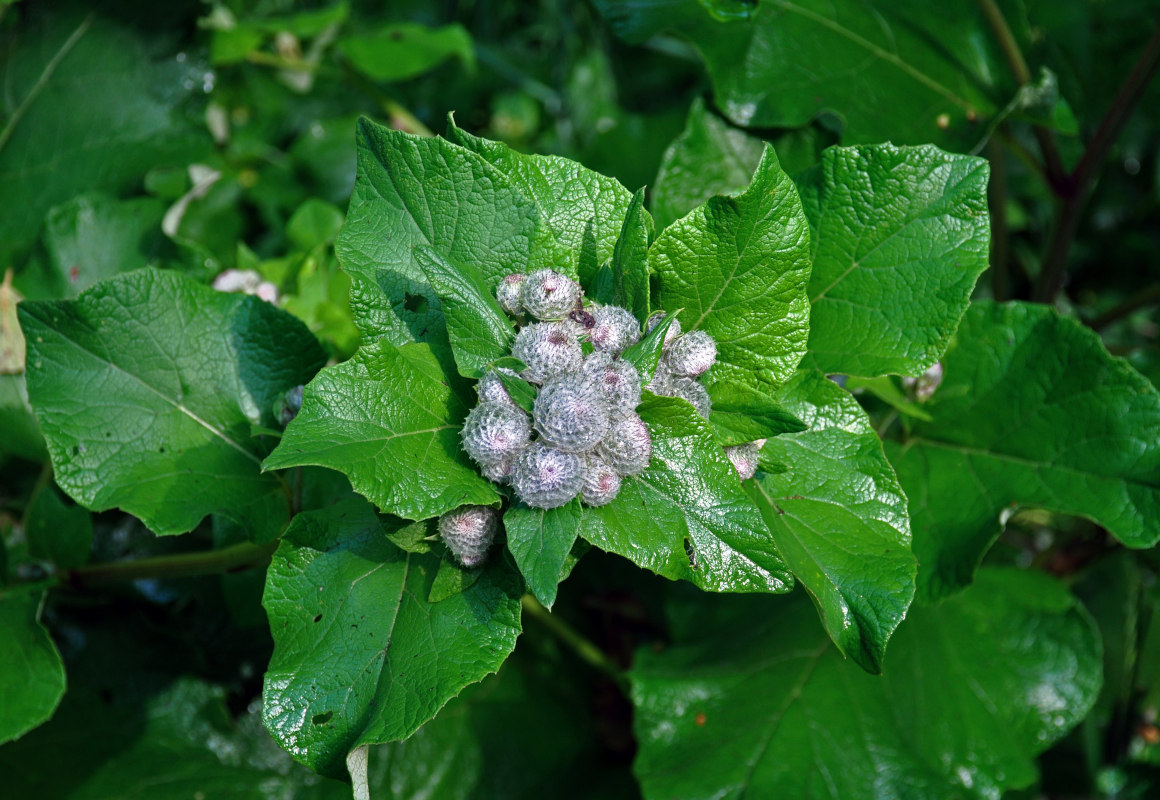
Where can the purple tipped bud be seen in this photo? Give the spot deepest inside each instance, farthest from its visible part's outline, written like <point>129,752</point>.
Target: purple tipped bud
<point>744,458</point>
<point>549,349</point>
<point>491,389</point>
<point>617,380</point>
<point>545,477</point>
<point>655,319</point>
<point>495,432</point>
<point>691,354</point>
<point>468,532</point>
<point>615,329</point>
<point>601,483</point>
<point>508,294</point>
<point>571,414</point>
<point>548,295</point>
<point>695,393</point>
<point>627,447</point>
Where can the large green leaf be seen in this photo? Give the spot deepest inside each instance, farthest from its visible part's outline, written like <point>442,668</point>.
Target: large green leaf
<point>686,516</point>
<point>754,701</point>
<point>1032,411</point>
<point>414,191</point>
<point>581,211</point>
<point>88,104</point>
<point>479,330</point>
<point>708,158</point>
<point>739,267</point>
<point>908,70</point>
<point>31,673</point>
<point>540,541</point>
<point>360,654</point>
<point>388,420</point>
<point>899,236</point>
<point>147,387</point>
<point>838,516</point>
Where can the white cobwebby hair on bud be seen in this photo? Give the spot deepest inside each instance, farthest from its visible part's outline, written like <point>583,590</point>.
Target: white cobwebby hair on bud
<point>601,483</point>
<point>495,432</point>
<point>692,354</point>
<point>627,447</point>
<point>617,380</point>
<point>570,414</point>
<point>545,477</point>
<point>491,389</point>
<point>744,458</point>
<point>549,295</point>
<point>688,389</point>
<point>615,329</point>
<point>508,294</point>
<point>548,349</point>
<point>468,532</point>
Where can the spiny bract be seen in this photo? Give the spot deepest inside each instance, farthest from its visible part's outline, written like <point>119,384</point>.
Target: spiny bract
<point>627,447</point>
<point>508,294</point>
<point>545,477</point>
<point>495,432</point>
<point>570,413</point>
<point>601,483</point>
<point>617,380</point>
<point>614,329</point>
<point>548,349</point>
<point>691,355</point>
<point>548,295</point>
<point>468,532</point>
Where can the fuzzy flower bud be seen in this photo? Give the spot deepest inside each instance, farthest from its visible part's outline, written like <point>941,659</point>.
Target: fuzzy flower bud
<point>615,329</point>
<point>549,349</point>
<point>491,389</point>
<point>662,382</point>
<point>468,532</point>
<point>617,380</point>
<point>545,477</point>
<point>508,294</point>
<point>495,432</point>
<point>501,471</point>
<point>691,354</point>
<point>655,319</point>
<point>744,458</point>
<point>548,295</point>
<point>695,393</point>
<point>571,414</point>
<point>627,447</point>
<point>601,483</point>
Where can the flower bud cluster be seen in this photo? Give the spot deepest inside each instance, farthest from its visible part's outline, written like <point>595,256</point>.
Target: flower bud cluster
<point>583,435</point>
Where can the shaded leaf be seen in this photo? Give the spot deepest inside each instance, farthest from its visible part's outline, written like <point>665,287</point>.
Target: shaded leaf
<point>31,673</point>
<point>56,532</point>
<point>1032,411</point>
<point>755,701</point>
<point>405,50</point>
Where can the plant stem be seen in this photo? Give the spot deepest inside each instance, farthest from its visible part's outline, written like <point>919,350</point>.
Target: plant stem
<point>588,652</point>
<point>213,562</point>
<point>1056,176</point>
<point>1081,180</point>
<point>1148,297</point>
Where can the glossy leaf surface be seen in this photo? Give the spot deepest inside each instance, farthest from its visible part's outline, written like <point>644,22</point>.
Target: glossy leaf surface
<point>360,654</point>
<point>686,516</point>
<point>838,515</point>
<point>540,540</point>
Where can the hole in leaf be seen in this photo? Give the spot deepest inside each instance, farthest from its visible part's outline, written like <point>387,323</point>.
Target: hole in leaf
<point>415,302</point>
<point>318,618</point>
<point>322,719</point>
<point>691,552</point>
